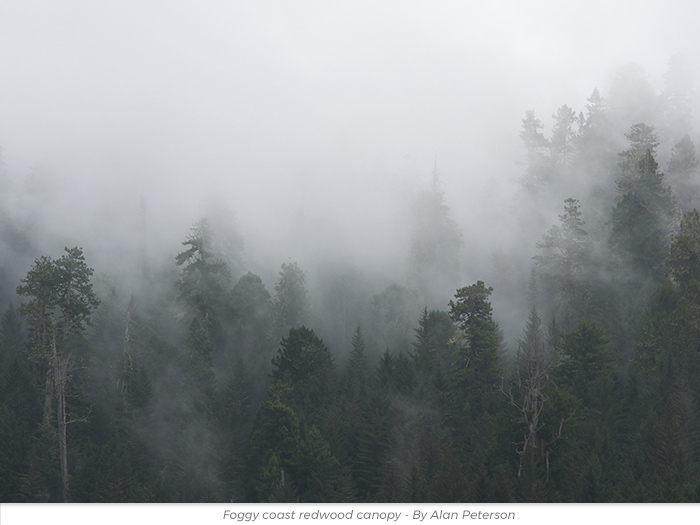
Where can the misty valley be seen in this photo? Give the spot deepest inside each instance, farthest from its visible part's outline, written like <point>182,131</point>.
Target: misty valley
<point>545,350</point>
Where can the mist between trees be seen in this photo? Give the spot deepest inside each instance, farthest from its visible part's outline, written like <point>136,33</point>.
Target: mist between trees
<point>556,362</point>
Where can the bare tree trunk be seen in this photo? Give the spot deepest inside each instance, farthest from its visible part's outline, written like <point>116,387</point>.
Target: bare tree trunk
<point>61,378</point>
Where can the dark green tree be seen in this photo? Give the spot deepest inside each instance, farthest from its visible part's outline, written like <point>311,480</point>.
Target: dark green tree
<point>477,372</point>
<point>252,322</point>
<point>205,280</point>
<point>12,336</point>
<point>305,363</point>
<point>644,211</point>
<point>683,260</point>
<point>61,306</point>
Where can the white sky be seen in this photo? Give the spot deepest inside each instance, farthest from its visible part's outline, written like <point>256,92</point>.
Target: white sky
<point>329,106</point>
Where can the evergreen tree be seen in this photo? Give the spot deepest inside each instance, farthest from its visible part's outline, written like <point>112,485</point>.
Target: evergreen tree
<point>644,211</point>
<point>433,265</point>
<point>587,362</point>
<point>539,166</point>
<point>566,261</point>
<point>205,280</point>
<point>305,363</point>
<point>62,305</point>
<point>477,371</point>
<point>291,301</point>
<point>356,372</point>
<point>682,174</point>
<point>12,336</point>
<point>562,141</point>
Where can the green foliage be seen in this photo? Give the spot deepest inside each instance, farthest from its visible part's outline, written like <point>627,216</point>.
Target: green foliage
<point>566,263</point>
<point>472,312</point>
<point>683,260</point>
<point>291,301</point>
<point>304,362</point>
<point>252,319</point>
<point>12,335</point>
<point>586,361</point>
<point>644,211</point>
<point>204,280</point>
<point>63,300</point>
<point>198,363</point>
<point>682,173</point>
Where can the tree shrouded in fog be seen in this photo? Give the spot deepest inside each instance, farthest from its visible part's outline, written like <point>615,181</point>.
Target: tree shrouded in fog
<point>564,261</point>
<point>205,279</point>
<point>645,209</point>
<point>291,301</point>
<point>61,306</point>
<point>539,166</point>
<point>434,260</point>
<point>683,174</point>
<point>198,383</point>
<point>562,141</point>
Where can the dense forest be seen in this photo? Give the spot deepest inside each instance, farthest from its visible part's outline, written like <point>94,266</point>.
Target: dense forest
<point>187,378</point>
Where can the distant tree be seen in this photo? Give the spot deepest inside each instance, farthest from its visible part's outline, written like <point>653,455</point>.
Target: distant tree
<point>433,265</point>
<point>595,161</point>
<point>357,370</point>
<point>586,361</point>
<point>62,305</point>
<point>204,280</point>
<point>305,363</point>
<point>291,301</point>
<point>644,212</point>
<point>565,260</point>
<point>683,172</point>
<point>393,312</point>
<point>477,372</point>
<point>532,376</point>
<point>562,141</point>
<point>539,166</point>
<point>432,354</point>
<point>253,317</point>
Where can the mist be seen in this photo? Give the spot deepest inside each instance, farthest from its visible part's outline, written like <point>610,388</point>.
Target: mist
<point>322,136</point>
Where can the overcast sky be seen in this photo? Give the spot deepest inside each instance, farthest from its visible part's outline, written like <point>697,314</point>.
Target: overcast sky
<point>322,104</point>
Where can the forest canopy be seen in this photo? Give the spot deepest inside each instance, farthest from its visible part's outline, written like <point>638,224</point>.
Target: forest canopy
<point>564,369</point>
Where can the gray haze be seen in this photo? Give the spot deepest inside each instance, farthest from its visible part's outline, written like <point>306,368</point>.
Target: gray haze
<point>313,125</point>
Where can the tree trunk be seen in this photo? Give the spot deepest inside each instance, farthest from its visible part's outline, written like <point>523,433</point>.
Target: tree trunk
<point>61,378</point>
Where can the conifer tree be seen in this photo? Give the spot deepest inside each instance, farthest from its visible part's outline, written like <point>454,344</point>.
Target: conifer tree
<point>643,216</point>
<point>291,301</point>
<point>539,165</point>
<point>62,305</point>
<point>477,371</point>
<point>204,280</point>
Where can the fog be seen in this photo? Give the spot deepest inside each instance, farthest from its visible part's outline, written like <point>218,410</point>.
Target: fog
<point>357,163</point>
<point>314,127</point>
